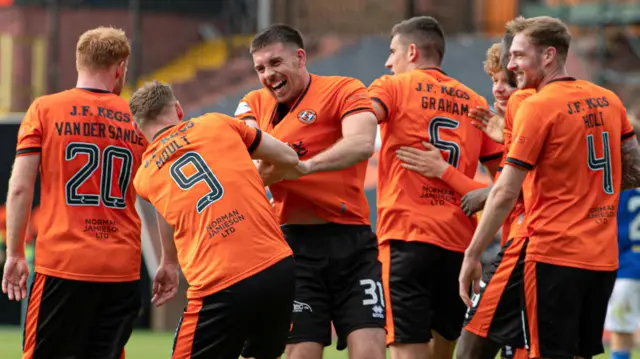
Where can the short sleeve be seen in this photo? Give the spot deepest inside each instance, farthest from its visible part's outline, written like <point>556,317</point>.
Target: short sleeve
<point>138,184</point>
<point>247,107</point>
<point>382,91</point>
<point>250,136</point>
<point>30,133</point>
<point>531,127</point>
<point>627,131</point>
<point>354,98</point>
<point>490,149</point>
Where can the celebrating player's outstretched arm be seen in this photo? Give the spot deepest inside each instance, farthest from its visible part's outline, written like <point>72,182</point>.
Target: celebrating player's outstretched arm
<point>19,199</point>
<point>357,145</point>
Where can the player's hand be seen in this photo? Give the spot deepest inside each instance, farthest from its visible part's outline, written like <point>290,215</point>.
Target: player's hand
<point>165,284</point>
<point>470,273</point>
<point>428,162</point>
<point>488,122</point>
<point>14,279</point>
<point>269,173</point>
<point>303,168</point>
<point>474,201</point>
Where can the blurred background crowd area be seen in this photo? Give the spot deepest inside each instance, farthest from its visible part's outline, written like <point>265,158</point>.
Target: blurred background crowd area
<point>200,47</point>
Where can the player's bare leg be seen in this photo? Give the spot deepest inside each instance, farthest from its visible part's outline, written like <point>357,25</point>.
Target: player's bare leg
<point>621,345</point>
<point>471,346</point>
<point>307,350</point>
<point>409,351</point>
<point>439,347</point>
<point>367,343</point>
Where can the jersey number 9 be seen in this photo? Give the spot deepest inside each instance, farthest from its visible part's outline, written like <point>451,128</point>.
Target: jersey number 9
<point>202,174</point>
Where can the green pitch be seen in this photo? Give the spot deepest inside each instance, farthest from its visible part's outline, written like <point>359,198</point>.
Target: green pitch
<point>145,345</point>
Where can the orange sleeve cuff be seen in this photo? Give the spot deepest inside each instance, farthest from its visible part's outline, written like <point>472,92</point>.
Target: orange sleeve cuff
<point>459,182</point>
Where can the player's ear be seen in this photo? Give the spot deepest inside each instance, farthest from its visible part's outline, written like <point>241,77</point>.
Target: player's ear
<point>549,55</point>
<point>412,52</point>
<point>179,111</point>
<point>302,57</point>
<point>121,68</point>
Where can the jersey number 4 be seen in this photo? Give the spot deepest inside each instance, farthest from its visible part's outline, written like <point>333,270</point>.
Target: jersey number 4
<point>601,163</point>
<point>452,148</point>
<point>202,173</point>
<point>109,155</point>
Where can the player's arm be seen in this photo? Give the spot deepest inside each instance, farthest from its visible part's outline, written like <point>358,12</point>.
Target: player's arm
<point>502,198</point>
<point>274,151</point>
<point>430,163</point>
<point>275,158</point>
<point>359,126</point>
<point>19,200</point>
<point>357,144</point>
<point>630,163</point>
<point>169,253</point>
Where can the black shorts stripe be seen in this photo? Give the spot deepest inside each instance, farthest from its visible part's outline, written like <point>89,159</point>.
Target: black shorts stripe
<point>519,163</point>
<point>384,106</point>
<point>492,157</point>
<point>256,142</point>
<point>28,150</point>
<point>359,109</point>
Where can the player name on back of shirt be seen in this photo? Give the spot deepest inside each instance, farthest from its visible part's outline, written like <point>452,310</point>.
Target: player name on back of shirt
<point>590,119</point>
<point>114,132</point>
<point>439,101</point>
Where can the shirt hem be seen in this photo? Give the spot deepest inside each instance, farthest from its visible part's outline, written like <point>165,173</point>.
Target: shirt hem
<point>441,244</point>
<point>199,294</point>
<point>533,257</point>
<point>87,277</point>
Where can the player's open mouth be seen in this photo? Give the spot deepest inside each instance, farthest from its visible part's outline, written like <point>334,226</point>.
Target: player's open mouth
<point>278,86</point>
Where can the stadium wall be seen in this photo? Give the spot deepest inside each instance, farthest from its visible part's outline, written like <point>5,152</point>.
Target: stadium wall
<point>29,29</point>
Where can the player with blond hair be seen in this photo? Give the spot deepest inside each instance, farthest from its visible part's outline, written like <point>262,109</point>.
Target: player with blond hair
<point>86,294</point>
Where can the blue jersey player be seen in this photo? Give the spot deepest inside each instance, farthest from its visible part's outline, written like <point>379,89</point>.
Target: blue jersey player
<point>623,313</point>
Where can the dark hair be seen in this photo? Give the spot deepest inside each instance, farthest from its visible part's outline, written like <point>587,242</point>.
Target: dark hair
<point>425,32</point>
<point>277,33</point>
<point>505,45</point>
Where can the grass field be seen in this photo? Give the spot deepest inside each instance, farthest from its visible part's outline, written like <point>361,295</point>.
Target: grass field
<point>146,345</point>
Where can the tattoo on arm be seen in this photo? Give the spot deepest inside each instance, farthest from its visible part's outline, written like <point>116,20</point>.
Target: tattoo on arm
<point>630,164</point>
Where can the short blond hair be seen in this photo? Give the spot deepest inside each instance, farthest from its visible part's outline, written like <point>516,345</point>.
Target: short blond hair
<point>492,64</point>
<point>543,31</point>
<point>101,48</point>
<point>150,100</point>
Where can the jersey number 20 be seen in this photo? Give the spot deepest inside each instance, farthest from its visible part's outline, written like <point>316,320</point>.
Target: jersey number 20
<point>93,153</point>
<point>601,163</point>
<point>202,174</point>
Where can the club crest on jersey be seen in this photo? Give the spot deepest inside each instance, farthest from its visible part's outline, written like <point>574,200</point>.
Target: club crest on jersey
<point>307,117</point>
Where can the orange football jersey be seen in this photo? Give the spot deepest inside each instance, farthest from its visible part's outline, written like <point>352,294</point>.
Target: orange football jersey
<point>427,105</point>
<point>569,136</point>
<point>89,228</point>
<point>312,125</point>
<point>515,224</point>
<point>200,177</point>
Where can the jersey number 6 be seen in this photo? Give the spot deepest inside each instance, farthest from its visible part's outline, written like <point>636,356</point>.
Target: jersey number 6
<point>202,173</point>
<point>109,154</point>
<point>452,148</point>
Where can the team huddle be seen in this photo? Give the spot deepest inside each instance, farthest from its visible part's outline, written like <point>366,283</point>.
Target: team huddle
<point>267,278</point>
